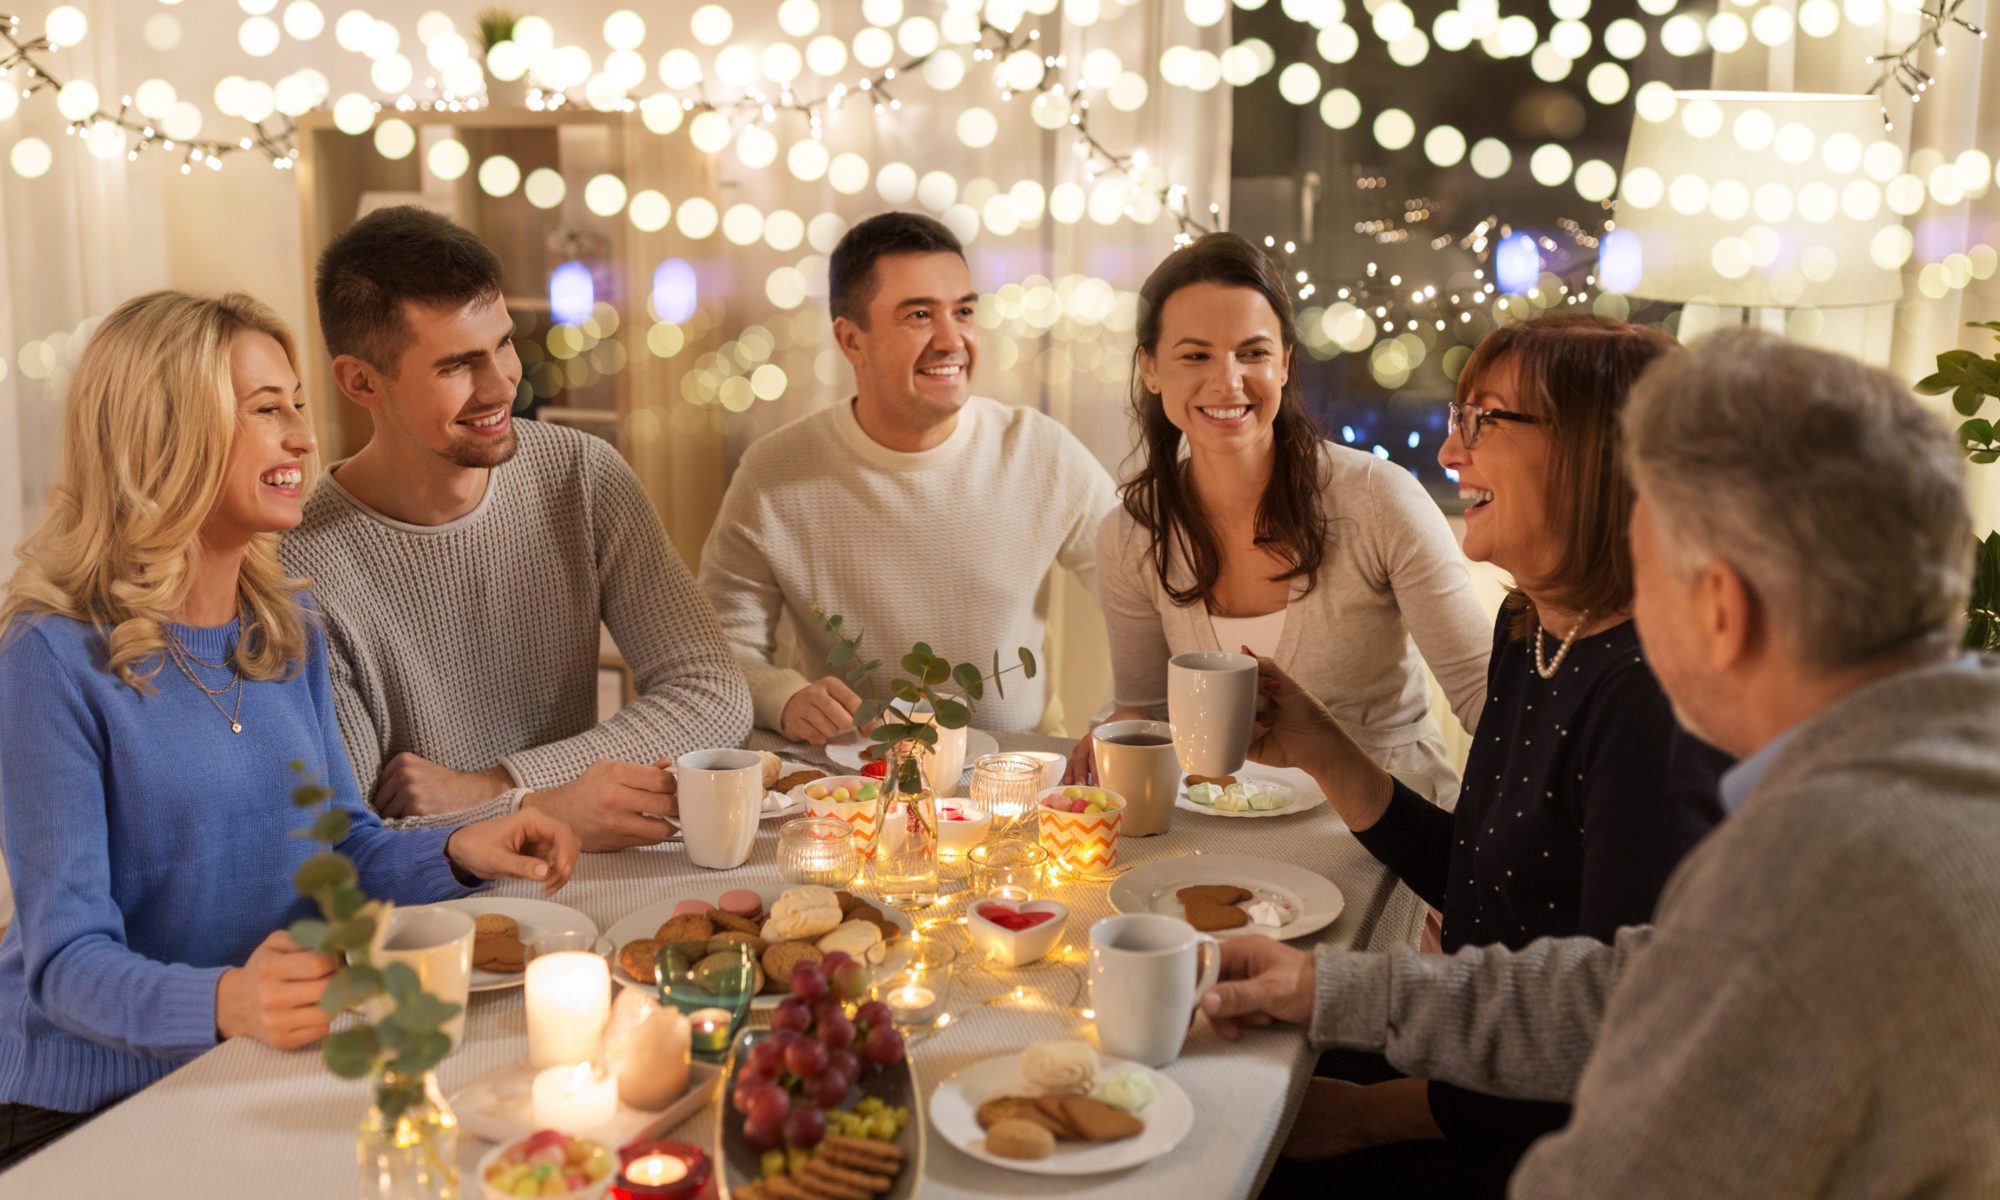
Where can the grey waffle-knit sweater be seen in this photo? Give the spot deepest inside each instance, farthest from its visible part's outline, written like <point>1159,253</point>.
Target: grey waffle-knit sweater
<point>475,643</point>
<point>1816,1011</point>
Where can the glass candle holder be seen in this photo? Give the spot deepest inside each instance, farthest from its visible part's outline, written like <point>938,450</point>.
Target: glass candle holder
<point>1008,870</point>
<point>818,851</point>
<point>1006,785</point>
<point>660,1169</point>
<point>713,989</point>
<point>913,978</point>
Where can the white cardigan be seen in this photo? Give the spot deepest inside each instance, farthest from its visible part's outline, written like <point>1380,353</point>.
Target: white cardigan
<point>1392,572</point>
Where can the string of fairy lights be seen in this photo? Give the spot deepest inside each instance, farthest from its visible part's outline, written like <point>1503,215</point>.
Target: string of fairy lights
<point>1367,303</point>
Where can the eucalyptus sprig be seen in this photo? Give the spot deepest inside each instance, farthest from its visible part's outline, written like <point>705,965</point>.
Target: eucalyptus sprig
<point>1972,380</point>
<point>496,25</point>
<point>407,1042</point>
<point>923,676</point>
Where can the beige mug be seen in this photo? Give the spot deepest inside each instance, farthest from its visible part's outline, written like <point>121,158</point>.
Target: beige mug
<point>1137,760</point>
<point>435,941</point>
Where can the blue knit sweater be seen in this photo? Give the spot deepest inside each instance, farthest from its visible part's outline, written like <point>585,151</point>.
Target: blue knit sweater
<point>150,849</point>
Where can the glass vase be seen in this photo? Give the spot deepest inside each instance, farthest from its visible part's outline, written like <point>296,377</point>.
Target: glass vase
<point>903,870</point>
<point>407,1146</point>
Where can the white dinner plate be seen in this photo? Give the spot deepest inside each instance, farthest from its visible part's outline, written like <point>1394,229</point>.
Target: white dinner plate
<point>845,750</point>
<point>647,921</point>
<point>536,918</point>
<point>955,1116</point>
<point>1300,792</point>
<point>1151,889</point>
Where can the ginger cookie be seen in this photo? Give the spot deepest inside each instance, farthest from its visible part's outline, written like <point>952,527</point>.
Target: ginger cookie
<point>1213,918</point>
<point>1213,893</point>
<point>1015,1138</point>
<point>1217,780</point>
<point>502,954</point>
<point>689,927</point>
<point>641,959</point>
<point>779,960</point>
<point>1096,1121</point>
<point>725,922</point>
<point>489,924</point>
<point>796,779</point>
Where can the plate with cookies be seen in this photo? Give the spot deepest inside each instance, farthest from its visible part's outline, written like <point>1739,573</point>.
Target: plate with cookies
<point>1060,1108</point>
<point>503,929</point>
<point>783,926</point>
<point>1254,791</point>
<point>1230,894</point>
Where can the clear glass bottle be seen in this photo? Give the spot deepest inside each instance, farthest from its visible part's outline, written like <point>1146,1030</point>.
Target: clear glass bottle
<point>903,870</point>
<point>412,1154</point>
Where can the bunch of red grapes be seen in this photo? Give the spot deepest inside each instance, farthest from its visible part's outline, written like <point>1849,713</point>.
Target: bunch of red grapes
<point>815,1055</point>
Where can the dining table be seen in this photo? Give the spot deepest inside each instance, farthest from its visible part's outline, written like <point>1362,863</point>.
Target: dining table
<point>245,1121</point>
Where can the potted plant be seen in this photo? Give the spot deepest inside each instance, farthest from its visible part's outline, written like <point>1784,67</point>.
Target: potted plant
<point>1972,380</point>
<point>506,78</point>
<point>407,1145</point>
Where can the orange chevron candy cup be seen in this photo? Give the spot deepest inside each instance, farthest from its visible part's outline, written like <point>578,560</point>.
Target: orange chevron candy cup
<point>1083,841</point>
<point>859,814</point>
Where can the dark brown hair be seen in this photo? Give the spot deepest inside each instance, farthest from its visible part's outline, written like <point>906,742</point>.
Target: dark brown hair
<point>389,256</point>
<point>850,272</point>
<point>1291,519</point>
<point>1576,372</point>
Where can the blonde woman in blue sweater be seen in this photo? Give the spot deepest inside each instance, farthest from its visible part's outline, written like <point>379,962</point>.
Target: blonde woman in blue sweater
<point>158,676</point>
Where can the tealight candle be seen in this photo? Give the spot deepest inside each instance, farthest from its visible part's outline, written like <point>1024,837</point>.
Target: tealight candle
<point>574,1099</point>
<point>709,1030</point>
<point>655,1170</point>
<point>659,1169</point>
<point>569,1001</point>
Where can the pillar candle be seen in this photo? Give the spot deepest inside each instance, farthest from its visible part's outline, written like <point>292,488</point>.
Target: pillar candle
<point>569,1000</point>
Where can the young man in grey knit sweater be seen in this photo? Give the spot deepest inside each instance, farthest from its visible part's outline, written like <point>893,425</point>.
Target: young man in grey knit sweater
<point>1816,1009</point>
<point>465,563</point>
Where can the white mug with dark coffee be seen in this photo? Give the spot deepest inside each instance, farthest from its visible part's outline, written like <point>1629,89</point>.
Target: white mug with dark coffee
<point>1136,759</point>
<point>1147,971</point>
<point>721,801</point>
<point>1212,702</point>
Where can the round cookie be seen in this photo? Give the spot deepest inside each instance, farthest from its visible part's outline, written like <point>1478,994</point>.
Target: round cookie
<point>641,959</point>
<point>741,902</point>
<point>687,927</point>
<point>728,922</point>
<point>1015,1138</point>
<point>779,960</point>
<point>490,924</point>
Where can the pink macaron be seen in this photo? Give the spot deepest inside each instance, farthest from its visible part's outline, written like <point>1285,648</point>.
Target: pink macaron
<point>741,902</point>
<point>692,908</point>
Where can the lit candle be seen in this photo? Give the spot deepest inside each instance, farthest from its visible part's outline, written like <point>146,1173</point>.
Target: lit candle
<point>911,1003</point>
<point>574,1099</point>
<point>655,1170</point>
<point>569,1000</point>
<point>709,1030</point>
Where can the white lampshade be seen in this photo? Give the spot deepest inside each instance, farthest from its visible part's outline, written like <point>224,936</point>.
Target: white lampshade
<point>1755,200</point>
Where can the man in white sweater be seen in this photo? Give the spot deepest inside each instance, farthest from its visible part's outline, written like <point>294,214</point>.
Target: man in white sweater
<point>465,564</point>
<point>916,511</point>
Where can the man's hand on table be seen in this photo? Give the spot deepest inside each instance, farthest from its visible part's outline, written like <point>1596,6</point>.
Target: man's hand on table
<point>1261,981</point>
<point>819,712</point>
<point>614,805</point>
<point>274,997</point>
<point>413,786</point>
<point>524,844</point>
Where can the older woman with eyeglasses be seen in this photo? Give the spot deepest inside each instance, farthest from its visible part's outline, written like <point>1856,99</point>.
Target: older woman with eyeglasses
<point>1581,792</point>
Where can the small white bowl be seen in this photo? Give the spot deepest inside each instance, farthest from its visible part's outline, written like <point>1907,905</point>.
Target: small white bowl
<point>959,837</point>
<point>1017,948</point>
<point>592,1191</point>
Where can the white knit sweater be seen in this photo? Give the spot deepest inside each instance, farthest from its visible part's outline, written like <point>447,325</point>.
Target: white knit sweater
<point>474,643</point>
<point>950,546</point>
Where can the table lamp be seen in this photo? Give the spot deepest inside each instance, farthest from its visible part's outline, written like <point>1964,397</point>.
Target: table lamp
<point>1758,200</point>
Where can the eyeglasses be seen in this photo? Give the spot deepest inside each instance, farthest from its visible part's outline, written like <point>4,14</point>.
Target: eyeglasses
<point>1466,420</point>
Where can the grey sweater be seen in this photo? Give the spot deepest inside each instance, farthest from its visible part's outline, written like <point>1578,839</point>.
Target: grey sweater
<point>475,643</point>
<point>1816,1011</point>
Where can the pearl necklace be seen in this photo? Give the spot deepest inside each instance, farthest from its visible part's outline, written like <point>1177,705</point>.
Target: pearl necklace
<point>1547,670</point>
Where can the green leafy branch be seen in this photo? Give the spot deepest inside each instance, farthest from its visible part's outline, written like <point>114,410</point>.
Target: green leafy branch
<point>924,676</point>
<point>1972,380</point>
<point>409,1040</point>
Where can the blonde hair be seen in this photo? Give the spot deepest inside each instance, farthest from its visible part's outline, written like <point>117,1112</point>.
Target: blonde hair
<point>151,416</point>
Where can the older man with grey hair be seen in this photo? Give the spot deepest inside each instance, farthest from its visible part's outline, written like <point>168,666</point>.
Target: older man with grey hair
<point>1816,1009</point>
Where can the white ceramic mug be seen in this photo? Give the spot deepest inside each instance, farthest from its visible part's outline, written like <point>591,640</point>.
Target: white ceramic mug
<point>1212,702</point>
<point>721,801</point>
<point>435,941</point>
<point>1137,760</point>
<point>1147,972</point>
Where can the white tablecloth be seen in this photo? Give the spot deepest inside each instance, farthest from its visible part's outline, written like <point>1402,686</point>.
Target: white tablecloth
<point>248,1121</point>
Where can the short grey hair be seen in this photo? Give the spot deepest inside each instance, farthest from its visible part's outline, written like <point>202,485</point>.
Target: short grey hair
<point>1829,489</point>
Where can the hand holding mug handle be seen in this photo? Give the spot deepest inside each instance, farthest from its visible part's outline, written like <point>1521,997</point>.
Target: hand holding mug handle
<point>1208,969</point>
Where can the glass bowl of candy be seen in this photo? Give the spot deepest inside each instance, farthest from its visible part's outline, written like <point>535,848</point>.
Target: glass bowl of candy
<point>546,1163</point>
